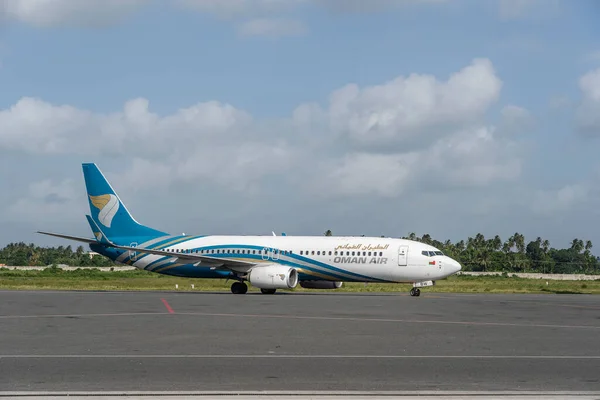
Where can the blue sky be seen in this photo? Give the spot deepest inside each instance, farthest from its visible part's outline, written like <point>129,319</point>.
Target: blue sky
<point>251,164</point>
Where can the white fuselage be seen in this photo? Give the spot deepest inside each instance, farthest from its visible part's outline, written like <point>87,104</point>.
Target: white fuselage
<point>332,258</point>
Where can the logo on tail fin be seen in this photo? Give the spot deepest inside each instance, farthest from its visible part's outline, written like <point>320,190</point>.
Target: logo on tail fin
<point>108,204</point>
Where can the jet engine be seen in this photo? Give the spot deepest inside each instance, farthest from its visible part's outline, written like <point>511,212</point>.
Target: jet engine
<point>321,284</point>
<point>273,277</point>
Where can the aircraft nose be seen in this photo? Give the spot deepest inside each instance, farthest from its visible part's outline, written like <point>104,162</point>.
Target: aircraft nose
<point>455,266</point>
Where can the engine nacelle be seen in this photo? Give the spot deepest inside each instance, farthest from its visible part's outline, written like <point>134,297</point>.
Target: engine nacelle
<point>321,284</point>
<point>273,277</point>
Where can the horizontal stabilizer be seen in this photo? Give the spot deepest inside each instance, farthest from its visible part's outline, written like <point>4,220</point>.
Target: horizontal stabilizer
<point>77,238</point>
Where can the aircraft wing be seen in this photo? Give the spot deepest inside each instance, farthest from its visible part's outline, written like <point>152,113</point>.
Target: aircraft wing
<point>192,258</point>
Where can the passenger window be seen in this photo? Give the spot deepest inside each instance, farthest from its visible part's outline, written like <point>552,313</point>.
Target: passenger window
<point>330,253</point>
<point>313,253</point>
<point>381,254</point>
<point>369,254</point>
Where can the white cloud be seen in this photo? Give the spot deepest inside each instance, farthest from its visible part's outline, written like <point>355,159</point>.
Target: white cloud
<point>365,174</point>
<point>35,126</point>
<point>272,27</point>
<point>471,158</point>
<point>516,119</point>
<point>417,108</point>
<point>48,13</point>
<point>208,140</point>
<point>588,112</point>
<point>309,153</point>
<point>48,202</point>
<point>556,201</point>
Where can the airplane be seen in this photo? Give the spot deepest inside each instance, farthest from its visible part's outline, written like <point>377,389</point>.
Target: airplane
<point>265,262</point>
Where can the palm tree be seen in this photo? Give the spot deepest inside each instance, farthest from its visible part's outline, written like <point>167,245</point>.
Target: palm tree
<point>496,243</point>
<point>328,232</point>
<point>545,246</point>
<point>577,245</point>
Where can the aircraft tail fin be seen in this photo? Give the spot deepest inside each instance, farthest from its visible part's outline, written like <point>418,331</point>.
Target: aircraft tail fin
<point>109,216</point>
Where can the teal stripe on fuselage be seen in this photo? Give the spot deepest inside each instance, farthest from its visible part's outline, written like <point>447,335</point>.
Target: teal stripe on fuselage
<point>324,268</point>
<point>316,267</point>
<point>158,245</point>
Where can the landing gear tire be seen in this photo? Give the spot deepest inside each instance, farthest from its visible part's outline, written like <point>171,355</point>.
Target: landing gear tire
<point>415,292</point>
<point>239,288</point>
<point>268,291</point>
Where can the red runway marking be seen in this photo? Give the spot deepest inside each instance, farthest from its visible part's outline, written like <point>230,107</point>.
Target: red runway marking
<point>169,309</point>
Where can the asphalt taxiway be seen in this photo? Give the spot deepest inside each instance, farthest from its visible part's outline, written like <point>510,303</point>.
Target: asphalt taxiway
<point>205,342</point>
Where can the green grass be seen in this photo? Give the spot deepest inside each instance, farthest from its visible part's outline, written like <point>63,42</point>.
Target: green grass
<point>91,279</point>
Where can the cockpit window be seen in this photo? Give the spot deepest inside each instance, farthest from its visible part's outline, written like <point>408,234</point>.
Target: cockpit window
<point>428,253</point>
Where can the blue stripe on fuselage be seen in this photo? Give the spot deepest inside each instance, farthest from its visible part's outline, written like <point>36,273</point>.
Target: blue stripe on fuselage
<point>333,272</point>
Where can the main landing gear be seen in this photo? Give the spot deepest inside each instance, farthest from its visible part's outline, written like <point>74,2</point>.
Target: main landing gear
<point>415,292</point>
<point>239,288</point>
<point>242,288</point>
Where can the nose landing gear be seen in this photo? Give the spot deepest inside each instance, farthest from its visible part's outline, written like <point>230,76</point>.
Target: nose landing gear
<point>415,291</point>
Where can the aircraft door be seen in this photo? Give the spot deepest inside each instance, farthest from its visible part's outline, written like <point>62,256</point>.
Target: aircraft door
<point>403,256</point>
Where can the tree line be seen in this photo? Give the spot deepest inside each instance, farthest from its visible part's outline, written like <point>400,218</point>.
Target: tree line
<point>475,254</point>
<point>515,254</point>
<point>21,254</point>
